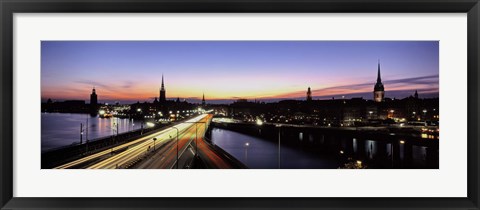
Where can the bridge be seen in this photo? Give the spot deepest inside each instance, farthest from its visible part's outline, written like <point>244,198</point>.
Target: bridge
<point>182,145</point>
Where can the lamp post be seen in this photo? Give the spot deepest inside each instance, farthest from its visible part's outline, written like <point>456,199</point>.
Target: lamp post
<point>113,137</point>
<point>401,152</point>
<point>81,132</point>
<point>154,139</point>
<point>246,152</point>
<point>196,133</point>
<point>117,126</point>
<point>279,134</point>
<point>115,133</point>
<point>86,137</point>
<point>177,144</point>
<point>196,139</point>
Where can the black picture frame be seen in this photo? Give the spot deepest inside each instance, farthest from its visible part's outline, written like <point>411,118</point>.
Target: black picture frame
<point>9,7</point>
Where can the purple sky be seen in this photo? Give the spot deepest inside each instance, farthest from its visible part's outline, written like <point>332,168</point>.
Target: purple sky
<point>128,71</point>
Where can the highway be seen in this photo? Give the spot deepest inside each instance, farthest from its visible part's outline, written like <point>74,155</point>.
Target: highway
<point>166,158</point>
<point>133,149</point>
<point>211,158</point>
<point>146,153</point>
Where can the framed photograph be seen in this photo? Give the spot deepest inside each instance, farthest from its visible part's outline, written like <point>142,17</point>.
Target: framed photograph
<point>239,105</point>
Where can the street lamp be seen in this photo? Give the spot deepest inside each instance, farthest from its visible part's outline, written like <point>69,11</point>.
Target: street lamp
<point>86,137</point>
<point>196,134</point>
<point>279,134</point>
<point>113,136</point>
<point>246,152</point>
<point>154,139</point>
<point>115,133</point>
<point>177,144</point>
<point>81,132</point>
<point>196,141</point>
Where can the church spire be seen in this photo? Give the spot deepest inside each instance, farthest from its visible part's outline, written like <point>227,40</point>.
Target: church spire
<point>163,96</point>
<point>379,79</point>
<point>163,86</point>
<point>378,90</point>
<point>203,99</point>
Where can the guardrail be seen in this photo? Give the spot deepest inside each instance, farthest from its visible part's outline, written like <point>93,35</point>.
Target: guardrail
<point>232,160</point>
<point>63,155</point>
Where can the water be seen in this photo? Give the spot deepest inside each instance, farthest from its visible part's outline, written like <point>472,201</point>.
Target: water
<point>263,154</point>
<point>308,149</point>
<point>60,129</point>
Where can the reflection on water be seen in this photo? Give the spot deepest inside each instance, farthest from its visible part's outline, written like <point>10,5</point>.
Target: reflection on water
<point>325,150</point>
<point>261,154</point>
<point>60,129</point>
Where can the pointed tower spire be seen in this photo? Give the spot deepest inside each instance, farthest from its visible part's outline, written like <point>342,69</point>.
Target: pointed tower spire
<point>379,79</point>
<point>203,99</point>
<point>163,86</point>
<point>378,90</point>
<point>162,97</point>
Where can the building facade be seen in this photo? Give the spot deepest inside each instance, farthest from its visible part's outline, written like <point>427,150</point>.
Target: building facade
<point>93,103</point>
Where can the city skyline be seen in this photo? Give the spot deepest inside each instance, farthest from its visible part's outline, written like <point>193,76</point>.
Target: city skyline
<point>228,70</point>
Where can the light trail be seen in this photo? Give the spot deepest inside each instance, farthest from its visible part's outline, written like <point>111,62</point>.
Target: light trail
<point>132,153</point>
<point>161,137</point>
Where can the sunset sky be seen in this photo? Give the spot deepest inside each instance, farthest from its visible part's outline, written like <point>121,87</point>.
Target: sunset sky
<point>128,71</point>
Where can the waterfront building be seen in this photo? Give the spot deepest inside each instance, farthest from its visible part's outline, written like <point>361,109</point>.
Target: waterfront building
<point>93,98</point>
<point>93,103</point>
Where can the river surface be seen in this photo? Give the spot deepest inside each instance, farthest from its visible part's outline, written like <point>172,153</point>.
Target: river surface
<point>61,129</point>
<point>258,153</point>
<point>327,150</point>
